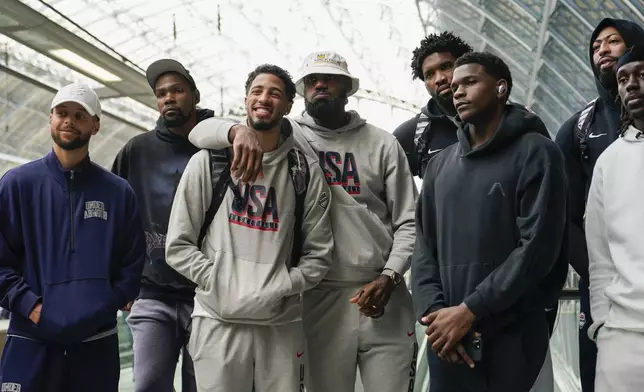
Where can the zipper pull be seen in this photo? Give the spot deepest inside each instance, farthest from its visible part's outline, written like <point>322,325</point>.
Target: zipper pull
<point>71,175</point>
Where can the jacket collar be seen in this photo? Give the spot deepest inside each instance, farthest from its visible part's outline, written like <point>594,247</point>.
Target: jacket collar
<point>63,176</point>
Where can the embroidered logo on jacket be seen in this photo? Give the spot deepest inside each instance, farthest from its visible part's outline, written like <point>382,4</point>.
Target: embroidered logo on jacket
<point>257,209</point>
<point>496,187</point>
<point>10,387</point>
<point>95,209</point>
<point>340,171</point>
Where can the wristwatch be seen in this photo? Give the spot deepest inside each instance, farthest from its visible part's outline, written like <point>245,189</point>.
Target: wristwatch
<point>395,277</point>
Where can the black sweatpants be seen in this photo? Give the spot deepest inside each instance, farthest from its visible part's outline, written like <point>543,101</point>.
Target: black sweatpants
<point>33,366</point>
<point>587,348</point>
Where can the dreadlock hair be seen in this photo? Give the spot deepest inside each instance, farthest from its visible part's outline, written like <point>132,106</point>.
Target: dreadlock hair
<point>446,42</point>
<point>625,118</point>
<point>492,64</point>
<point>286,78</point>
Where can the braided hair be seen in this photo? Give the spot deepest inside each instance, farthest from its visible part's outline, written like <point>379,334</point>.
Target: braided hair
<point>625,118</point>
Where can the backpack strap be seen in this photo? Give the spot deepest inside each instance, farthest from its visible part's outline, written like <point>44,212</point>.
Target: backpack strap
<point>421,142</point>
<point>220,161</point>
<point>583,126</point>
<point>298,169</point>
<point>422,121</point>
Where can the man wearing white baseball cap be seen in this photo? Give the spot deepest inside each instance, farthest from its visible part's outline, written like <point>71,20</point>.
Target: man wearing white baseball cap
<point>71,254</point>
<point>361,314</point>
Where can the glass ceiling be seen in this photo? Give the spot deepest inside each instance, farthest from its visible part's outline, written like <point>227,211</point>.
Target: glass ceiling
<point>220,41</point>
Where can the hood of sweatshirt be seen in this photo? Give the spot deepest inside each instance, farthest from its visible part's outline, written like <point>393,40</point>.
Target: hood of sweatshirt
<point>631,32</point>
<point>434,111</point>
<point>355,121</point>
<point>168,136</point>
<point>516,122</point>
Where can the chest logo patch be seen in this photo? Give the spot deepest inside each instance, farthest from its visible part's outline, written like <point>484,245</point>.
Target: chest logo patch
<point>95,209</point>
<point>496,187</point>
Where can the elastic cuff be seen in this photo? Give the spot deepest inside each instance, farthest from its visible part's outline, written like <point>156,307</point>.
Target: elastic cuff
<point>476,305</point>
<point>397,264</point>
<point>297,281</point>
<point>26,304</point>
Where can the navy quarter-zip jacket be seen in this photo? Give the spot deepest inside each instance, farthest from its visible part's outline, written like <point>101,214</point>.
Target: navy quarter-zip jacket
<point>73,240</point>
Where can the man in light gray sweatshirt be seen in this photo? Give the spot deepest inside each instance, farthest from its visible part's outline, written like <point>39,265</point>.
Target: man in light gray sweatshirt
<point>361,313</point>
<point>247,332</point>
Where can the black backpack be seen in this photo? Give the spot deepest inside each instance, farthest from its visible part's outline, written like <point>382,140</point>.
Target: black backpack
<point>220,161</point>
<point>583,126</point>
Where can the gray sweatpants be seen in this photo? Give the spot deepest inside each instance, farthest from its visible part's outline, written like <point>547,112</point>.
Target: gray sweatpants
<point>160,331</point>
<point>340,339</point>
<point>243,357</point>
<point>545,381</point>
<point>620,360</point>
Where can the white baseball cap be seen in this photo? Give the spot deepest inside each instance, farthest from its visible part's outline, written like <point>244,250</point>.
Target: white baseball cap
<point>81,94</point>
<point>325,63</point>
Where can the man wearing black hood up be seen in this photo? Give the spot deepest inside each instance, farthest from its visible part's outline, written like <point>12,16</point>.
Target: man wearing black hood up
<point>153,163</point>
<point>582,139</point>
<point>491,244</point>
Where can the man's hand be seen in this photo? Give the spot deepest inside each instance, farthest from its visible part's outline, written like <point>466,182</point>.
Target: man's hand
<point>458,356</point>
<point>247,153</point>
<point>34,316</point>
<point>447,326</point>
<point>128,306</point>
<point>374,296</point>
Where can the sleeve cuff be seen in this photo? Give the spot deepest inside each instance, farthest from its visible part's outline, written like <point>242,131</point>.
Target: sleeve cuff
<point>26,304</point>
<point>476,305</point>
<point>593,330</point>
<point>297,282</point>
<point>221,134</point>
<point>430,309</point>
<point>211,134</point>
<point>397,264</point>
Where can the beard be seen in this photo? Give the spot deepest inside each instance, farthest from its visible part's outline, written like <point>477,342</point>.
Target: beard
<point>79,142</point>
<point>324,108</point>
<point>264,126</point>
<point>447,102</point>
<point>608,79</point>
<point>176,120</point>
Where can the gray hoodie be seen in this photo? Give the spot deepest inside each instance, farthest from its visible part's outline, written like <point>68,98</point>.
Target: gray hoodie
<point>241,270</point>
<point>374,194</point>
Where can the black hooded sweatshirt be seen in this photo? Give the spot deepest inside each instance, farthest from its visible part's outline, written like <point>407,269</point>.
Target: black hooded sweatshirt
<point>491,231</point>
<point>603,131</point>
<point>153,163</point>
<point>441,133</point>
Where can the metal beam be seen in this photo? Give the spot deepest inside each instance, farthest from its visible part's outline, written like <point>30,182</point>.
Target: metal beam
<point>44,35</point>
<point>488,41</point>
<point>480,29</point>
<point>52,90</point>
<point>373,75</point>
<point>548,9</point>
<point>497,23</point>
<point>564,80</point>
<point>423,22</point>
<point>571,53</point>
<point>576,13</point>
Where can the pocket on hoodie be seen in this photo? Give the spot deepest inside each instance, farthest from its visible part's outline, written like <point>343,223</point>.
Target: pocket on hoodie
<point>245,289</point>
<point>76,309</point>
<point>361,239</point>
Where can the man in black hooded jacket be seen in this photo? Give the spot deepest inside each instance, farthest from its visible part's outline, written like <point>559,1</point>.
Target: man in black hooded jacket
<point>477,291</point>
<point>581,145</point>
<point>153,162</point>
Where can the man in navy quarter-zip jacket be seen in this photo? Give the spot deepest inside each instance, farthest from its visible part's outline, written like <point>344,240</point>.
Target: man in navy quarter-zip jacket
<point>71,255</point>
